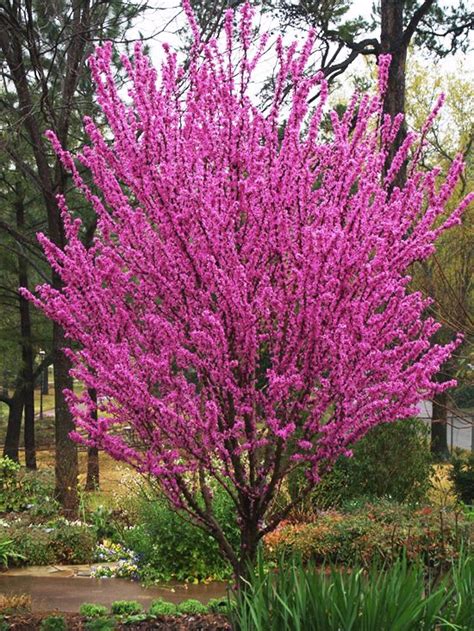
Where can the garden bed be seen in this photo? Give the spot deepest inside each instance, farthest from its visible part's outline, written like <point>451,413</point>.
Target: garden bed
<point>75,622</point>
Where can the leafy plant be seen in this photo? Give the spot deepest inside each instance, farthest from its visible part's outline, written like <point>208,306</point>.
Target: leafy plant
<point>218,605</point>
<point>392,461</point>
<point>192,607</point>
<point>170,547</point>
<point>381,532</point>
<point>8,552</point>
<point>462,476</point>
<point>53,623</point>
<point>126,607</point>
<point>162,607</point>
<point>304,598</point>
<point>11,495</point>
<point>91,610</point>
<point>100,624</point>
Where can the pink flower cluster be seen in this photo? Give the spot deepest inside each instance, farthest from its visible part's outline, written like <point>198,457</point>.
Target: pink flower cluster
<point>244,307</point>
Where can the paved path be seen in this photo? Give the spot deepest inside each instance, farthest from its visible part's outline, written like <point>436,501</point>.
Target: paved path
<point>66,588</point>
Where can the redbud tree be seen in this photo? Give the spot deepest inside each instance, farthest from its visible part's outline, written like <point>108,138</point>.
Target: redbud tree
<point>244,308</point>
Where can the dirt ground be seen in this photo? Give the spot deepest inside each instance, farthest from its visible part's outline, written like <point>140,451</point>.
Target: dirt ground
<point>30,622</point>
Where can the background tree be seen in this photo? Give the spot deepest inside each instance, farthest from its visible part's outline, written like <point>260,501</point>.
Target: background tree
<point>447,276</point>
<point>243,310</point>
<point>43,51</point>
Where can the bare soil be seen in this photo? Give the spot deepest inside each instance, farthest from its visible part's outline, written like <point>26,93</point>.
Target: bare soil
<point>32,622</point>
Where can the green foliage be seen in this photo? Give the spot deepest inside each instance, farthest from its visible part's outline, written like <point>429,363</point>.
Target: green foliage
<point>53,623</point>
<point>218,605</point>
<point>58,541</point>
<point>102,519</point>
<point>100,624</point>
<point>462,476</point>
<point>303,597</point>
<point>393,460</point>
<point>161,607</point>
<point>8,552</point>
<point>381,532</point>
<point>91,610</point>
<point>192,607</point>
<point>171,548</point>
<point>4,626</point>
<point>126,608</point>
<point>11,497</point>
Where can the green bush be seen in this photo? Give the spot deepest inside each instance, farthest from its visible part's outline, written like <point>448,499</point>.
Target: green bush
<point>21,490</point>
<point>398,598</point>
<point>126,608</point>
<point>462,476</point>
<point>55,542</point>
<point>53,623</point>
<point>381,532</point>
<point>11,494</point>
<point>161,607</point>
<point>8,552</point>
<point>171,548</point>
<point>192,607</point>
<point>91,610</point>
<point>393,461</point>
<point>100,624</point>
<point>218,605</point>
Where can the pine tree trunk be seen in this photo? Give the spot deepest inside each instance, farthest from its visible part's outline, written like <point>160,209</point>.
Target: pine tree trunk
<point>66,451</point>
<point>26,346</point>
<point>392,42</point>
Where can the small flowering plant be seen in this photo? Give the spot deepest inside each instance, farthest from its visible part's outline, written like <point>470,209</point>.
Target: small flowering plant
<point>125,563</point>
<point>244,307</point>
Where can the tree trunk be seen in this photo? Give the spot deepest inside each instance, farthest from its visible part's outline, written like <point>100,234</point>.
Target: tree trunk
<point>392,41</point>
<point>92,479</point>
<point>66,451</point>
<point>26,346</point>
<point>12,438</point>
<point>439,427</point>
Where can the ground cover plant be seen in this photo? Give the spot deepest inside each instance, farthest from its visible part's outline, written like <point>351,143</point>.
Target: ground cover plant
<point>243,309</point>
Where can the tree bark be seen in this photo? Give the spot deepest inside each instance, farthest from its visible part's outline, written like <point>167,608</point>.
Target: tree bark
<point>92,479</point>
<point>66,468</point>
<point>26,343</point>
<point>392,41</point>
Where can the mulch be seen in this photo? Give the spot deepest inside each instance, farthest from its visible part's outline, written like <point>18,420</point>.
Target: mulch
<point>32,622</point>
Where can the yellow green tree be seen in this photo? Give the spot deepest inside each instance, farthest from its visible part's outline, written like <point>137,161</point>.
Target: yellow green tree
<point>448,275</point>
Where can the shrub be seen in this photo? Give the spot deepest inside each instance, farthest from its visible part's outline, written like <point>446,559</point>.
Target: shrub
<point>380,532</point>
<point>161,607</point>
<point>100,624</point>
<point>462,476</point>
<point>53,623</point>
<point>192,607</point>
<point>8,552</point>
<point>126,607</point>
<point>218,605</point>
<point>393,460</point>
<point>58,541</point>
<point>11,496</point>
<point>91,610</point>
<point>171,548</point>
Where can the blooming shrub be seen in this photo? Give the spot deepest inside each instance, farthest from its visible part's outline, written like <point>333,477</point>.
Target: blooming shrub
<point>377,532</point>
